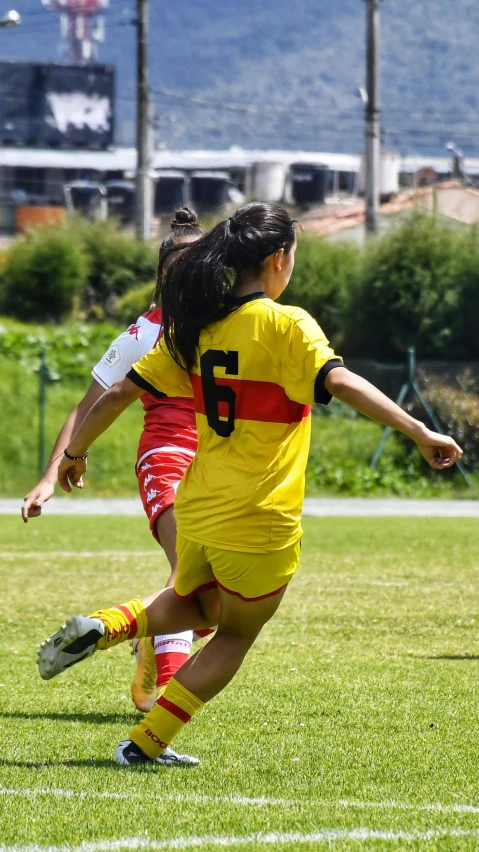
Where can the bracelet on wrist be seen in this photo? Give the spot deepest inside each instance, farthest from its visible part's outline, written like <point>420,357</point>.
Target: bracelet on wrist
<point>75,458</point>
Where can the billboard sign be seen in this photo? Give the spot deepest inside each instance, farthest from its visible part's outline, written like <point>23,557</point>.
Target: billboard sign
<point>56,106</point>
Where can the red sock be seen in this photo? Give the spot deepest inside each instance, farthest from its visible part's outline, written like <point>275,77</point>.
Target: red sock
<point>171,651</point>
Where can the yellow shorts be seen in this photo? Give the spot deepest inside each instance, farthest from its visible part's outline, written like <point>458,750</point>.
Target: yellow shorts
<point>250,576</point>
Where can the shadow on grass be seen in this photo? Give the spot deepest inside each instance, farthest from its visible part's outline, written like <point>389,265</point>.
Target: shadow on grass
<point>454,657</point>
<point>95,718</point>
<point>50,764</point>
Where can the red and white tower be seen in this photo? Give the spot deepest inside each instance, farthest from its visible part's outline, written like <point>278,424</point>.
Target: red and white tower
<point>82,27</point>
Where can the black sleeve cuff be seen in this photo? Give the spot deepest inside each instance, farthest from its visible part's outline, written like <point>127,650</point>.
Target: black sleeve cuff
<point>143,384</point>
<point>321,395</point>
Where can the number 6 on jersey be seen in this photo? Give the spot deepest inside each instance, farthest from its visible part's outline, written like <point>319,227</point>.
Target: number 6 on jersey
<point>214,393</point>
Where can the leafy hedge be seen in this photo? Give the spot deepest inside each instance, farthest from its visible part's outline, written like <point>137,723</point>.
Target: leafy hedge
<point>418,284</point>
<point>456,403</point>
<point>56,271</point>
<point>117,261</point>
<point>134,303</point>
<point>71,351</point>
<point>324,274</point>
<point>42,275</point>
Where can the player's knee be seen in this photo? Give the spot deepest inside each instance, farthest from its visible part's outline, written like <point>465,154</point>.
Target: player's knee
<point>241,635</point>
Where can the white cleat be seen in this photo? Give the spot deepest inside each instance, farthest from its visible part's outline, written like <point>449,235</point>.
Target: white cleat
<point>129,753</point>
<point>74,642</point>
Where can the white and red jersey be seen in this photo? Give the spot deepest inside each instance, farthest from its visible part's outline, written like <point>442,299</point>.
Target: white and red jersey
<point>169,423</point>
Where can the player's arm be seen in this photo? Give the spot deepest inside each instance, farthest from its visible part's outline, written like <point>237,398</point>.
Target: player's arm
<point>34,500</point>
<point>105,411</point>
<point>440,451</point>
<point>156,373</point>
<point>314,373</point>
<point>113,366</point>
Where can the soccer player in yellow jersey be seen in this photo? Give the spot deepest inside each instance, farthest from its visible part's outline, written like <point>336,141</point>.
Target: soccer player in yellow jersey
<point>254,368</point>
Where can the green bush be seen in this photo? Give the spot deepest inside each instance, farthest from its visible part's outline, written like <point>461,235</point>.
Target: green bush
<point>71,350</point>
<point>457,406</point>
<point>465,323</point>
<point>117,261</point>
<point>42,274</point>
<point>323,274</point>
<point>134,303</point>
<point>408,291</point>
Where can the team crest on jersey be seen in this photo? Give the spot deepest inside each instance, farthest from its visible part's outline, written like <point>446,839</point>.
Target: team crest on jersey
<point>112,356</point>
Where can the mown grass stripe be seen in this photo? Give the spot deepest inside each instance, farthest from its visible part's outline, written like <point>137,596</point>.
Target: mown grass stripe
<point>272,839</point>
<point>260,801</point>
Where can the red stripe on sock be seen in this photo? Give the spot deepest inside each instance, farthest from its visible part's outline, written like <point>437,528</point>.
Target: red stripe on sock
<point>131,621</point>
<point>174,709</point>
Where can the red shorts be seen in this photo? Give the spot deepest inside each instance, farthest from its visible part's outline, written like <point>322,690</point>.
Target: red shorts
<point>158,478</point>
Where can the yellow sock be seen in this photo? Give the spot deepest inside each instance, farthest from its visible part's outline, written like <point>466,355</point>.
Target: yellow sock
<point>169,715</point>
<point>126,621</point>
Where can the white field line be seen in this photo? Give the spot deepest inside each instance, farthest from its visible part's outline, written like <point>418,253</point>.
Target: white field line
<point>262,801</point>
<point>274,839</point>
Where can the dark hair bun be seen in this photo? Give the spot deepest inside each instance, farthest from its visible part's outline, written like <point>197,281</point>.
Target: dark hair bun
<point>183,217</point>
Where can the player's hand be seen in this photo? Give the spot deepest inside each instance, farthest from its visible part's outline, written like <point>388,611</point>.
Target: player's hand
<point>33,502</point>
<point>440,451</point>
<point>70,474</point>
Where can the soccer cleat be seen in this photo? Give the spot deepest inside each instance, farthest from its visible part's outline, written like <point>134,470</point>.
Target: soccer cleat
<point>129,754</point>
<point>143,685</point>
<point>172,758</point>
<point>74,642</point>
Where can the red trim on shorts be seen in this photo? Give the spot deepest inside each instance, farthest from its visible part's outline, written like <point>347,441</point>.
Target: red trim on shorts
<point>131,621</point>
<point>204,588</point>
<point>251,600</point>
<point>204,632</point>
<point>174,709</point>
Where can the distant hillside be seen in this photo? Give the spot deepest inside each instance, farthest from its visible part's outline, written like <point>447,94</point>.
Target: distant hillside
<point>294,67</point>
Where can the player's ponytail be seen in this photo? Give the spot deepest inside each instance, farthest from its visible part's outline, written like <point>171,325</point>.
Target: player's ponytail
<point>185,228</point>
<point>194,289</point>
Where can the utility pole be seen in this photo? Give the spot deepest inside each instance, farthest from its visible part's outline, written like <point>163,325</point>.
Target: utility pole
<point>373,138</point>
<point>143,180</point>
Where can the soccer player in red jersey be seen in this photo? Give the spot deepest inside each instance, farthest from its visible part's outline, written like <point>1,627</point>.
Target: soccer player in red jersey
<point>167,445</point>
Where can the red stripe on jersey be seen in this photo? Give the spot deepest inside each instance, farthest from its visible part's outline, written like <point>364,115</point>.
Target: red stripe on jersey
<point>174,709</point>
<point>266,402</point>
<point>131,621</point>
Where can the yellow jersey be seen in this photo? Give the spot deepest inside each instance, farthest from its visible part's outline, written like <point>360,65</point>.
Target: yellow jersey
<point>257,373</point>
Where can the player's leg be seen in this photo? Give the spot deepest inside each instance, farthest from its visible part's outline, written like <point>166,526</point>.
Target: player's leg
<point>250,589</point>
<point>158,657</point>
<point>81,636</point>
<point>161,613</point>
<point>200,679</point>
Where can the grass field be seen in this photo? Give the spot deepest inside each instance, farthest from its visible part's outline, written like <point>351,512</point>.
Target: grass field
<point>352,725</point>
